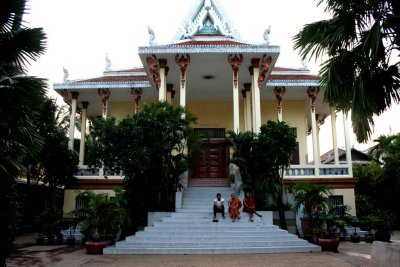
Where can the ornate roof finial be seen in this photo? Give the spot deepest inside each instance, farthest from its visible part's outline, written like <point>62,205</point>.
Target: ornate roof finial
<point>108,63</point>
<point>66,74</point>
<point>266,34</point>
<point>152,35</point>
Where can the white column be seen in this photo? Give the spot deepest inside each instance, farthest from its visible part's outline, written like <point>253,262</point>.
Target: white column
<point>162,92</point>
<point>244,110</point>
<point>72,120</point>
<point>334,134</point>
<point>247,87</point>
<point>312,93</point>
<point>83,133</point>
<point>346,125</point>
<point>236,125</point>
<point>255,97</point>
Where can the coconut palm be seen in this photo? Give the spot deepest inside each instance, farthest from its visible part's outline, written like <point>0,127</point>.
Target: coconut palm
<point>380,151</point>
<point>21,97</point>
<point>361,73</point>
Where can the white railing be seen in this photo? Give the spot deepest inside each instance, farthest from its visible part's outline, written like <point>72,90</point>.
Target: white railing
<point>302,171</point>
<point>86,172</point>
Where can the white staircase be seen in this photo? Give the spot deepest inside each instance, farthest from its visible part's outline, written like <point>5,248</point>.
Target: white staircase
<point>190,230</point>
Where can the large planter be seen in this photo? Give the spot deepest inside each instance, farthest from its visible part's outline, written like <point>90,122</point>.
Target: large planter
<point>328,244</point>
<point>95,247</point>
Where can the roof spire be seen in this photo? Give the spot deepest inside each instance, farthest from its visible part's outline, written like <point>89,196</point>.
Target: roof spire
<point>207,4</point>
<point>66,74</point>
<point>152,35</point>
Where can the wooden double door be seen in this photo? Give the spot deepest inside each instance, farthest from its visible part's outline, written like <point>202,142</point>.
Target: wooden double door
<point>213,161</point>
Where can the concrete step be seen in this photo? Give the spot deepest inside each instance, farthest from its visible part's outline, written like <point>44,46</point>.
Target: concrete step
<point>190,230</point>
<point>221,250</point>
<point>209,244</point>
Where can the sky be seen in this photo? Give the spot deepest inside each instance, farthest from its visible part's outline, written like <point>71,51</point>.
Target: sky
<point>81,32</point>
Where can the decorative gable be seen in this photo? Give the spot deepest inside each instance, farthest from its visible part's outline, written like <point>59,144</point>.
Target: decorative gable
<point>206,18</point>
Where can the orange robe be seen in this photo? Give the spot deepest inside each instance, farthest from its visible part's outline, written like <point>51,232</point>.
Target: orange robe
<point>248,205</point>
<point>234,206</point>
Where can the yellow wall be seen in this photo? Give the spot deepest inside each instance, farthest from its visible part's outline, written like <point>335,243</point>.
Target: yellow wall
<point>69,197</point>
<point>348,198</point>
<point>213,114</point>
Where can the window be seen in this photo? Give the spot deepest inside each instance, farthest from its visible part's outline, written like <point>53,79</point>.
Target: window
<point>210,132</point>
<point>338,208</point>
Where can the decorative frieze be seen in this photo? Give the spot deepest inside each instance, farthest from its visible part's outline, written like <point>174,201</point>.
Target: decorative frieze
<point>235,62</point>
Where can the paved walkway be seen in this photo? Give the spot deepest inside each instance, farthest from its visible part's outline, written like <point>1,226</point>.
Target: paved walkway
<point>28,254</point>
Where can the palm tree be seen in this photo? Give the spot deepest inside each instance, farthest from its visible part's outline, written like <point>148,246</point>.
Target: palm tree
<point>380,151</point>
<point>21,97</point>
<point>360,41</point>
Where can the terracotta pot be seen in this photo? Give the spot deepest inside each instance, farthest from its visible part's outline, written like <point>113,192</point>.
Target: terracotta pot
<point>328,244</point>
<point>95,247</point>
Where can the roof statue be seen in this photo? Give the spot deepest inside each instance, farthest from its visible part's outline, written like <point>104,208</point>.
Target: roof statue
<point>206,18</point>
<point>66,74</point>
<point>108,63</point>
<point>267,32</point>
<point>152,35</point>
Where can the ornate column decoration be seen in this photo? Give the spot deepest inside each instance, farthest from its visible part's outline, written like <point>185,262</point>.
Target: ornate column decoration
<point>85,105</point>
<point>162,92</point>
<point>279,91</point>
<point>313,92</point>
<point>74,103</point>
<point>235,62</point>
<point>182,61</point>
<point>265,63</point>
<point>104,95</point>
<point>137,93</point>
<point>248,122</point>
<point>334,133</point>
<point>255,95</point>
<point>152,63</point>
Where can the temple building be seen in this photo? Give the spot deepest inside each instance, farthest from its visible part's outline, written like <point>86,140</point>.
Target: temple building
<point>229,85</point>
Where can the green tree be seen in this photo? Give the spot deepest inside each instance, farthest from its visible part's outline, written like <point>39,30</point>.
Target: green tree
<point>380,151</point>
<point>360,41</point>
<point>21,99</point>
<point>261,159</point>
<point>148,148</point>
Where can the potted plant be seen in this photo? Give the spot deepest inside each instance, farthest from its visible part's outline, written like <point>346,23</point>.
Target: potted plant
<point>384,226</point>
<point>314,200</point>
<point>70,221</point>
<point>335,221</point>
<point>102,220</point>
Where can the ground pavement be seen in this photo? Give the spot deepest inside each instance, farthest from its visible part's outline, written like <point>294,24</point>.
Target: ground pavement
<point>28,254</point>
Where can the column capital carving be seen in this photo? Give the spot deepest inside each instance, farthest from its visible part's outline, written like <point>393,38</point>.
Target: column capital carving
<point>255,62</point>
<point>137,93</point>
<point>279,91</point>
<point>74,95</point>
<point>152,63</point>
<point>244,93</point>
<point>235,62</point>
<point>313,92</point>
<point>251,70</point>
<point>85,104</point>
<point>247,86</point>
<point>265,63</point>
<point>162,62</point>
<point>104,95</point>
<point>182,61</point>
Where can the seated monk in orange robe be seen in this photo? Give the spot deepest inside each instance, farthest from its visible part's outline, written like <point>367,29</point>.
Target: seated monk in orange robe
<point>249,205</point>
<point>234,205</point>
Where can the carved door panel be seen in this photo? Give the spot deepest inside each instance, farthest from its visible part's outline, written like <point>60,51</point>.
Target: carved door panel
<point>213,163</point>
